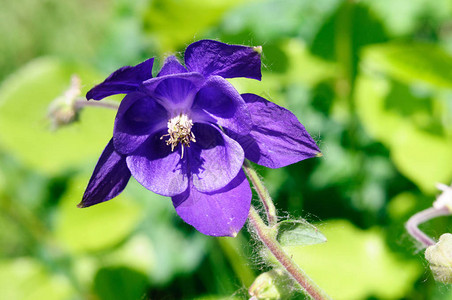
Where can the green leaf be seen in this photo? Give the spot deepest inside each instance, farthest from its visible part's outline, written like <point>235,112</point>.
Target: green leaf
<point>97,227</point>
<point>120,283</point>
<point>137,253</point>
<point>411,62</point>
<point>298,233</point>
<point>175,23</point>
<point>24,131</point>
<point>414,16</point>
<point>25,279</point>
<point>356,264</point>
<point>419,153</point>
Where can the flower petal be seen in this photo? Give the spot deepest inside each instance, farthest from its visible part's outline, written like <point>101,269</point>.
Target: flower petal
<point>214,159</point>
<point>158,168</point>
<point>277,139</point>
<point>220,213</point>
<point>214,58</point>
<point>219,102</point>
<point>174,91</point>
<point>109,178</point>
<point>122,81</point>
<point>172,66</point>
<point>138,117</point>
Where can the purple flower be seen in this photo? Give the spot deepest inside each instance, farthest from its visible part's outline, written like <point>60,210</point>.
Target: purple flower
<point>185,134</point>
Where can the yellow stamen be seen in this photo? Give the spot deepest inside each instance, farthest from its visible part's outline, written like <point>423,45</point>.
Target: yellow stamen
<point>179,131</point>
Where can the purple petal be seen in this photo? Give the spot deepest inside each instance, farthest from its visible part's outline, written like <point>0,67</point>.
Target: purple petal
<point>174,91</point>
<point>172,66</point>
<point>214,159</point>
<point>277,139</point>
<point>138,117</point>
<point>214,58</point>
<point>109,178</point>
<point>158,168</point>
<point>220,213</point>
<point>219,102</point>
<point>122,81</point>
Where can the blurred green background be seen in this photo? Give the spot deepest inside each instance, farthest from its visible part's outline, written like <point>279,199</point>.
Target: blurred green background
<point>370,80</point>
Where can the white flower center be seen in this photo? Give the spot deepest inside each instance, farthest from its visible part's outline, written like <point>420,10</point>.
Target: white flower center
<point>179,131</point>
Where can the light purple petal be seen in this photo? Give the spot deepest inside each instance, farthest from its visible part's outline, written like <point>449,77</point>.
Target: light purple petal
<point>214,58</point>
<point>109,178</point>
<point>219,102</point>
<point>214,159</point>
<point>172,66</point>
<point>174,91</point>
<point>122,81</point>
<point>159,169</point>
<point>277,139</point>
<point>220,213</point>
<point>138,117</point>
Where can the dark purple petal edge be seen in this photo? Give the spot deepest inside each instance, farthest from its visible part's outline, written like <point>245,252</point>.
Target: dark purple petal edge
<point>122,81</point>
<point>277,138</point>
<point>210,57</point>
<point>109,178</point>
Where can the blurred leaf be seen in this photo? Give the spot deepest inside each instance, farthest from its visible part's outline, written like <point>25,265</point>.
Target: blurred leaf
<point>298,233</point>
<point>401,205</point>
<point>411,62</point>
<point>26,279</point>
<point>32,28</point>
<point>175,23</point>
<point>423,158</point>
<point>215,297</point>
<point>403,17</point>
<point>345,33</point>
<point>295,18</point>
<point>24,130</point>
<point>303,69</point>
<point>96,227</point>
<point>356,264</point>
<point>417,153</point>
<point>175,252</point>
<point>120,283</point>
<point>138,254</point>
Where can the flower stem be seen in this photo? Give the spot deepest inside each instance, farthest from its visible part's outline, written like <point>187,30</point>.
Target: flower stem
<point>268,239</point>
<point>262,192</point>
<point>79,103</point>
<point>412,226</point>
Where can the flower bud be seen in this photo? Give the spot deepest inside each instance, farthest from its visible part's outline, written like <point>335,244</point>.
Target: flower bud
<point>271,285</point>
<point>440,258</point>
<point>63,110</point>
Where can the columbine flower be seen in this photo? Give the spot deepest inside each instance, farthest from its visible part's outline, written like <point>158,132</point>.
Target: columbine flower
<point>185,134</point>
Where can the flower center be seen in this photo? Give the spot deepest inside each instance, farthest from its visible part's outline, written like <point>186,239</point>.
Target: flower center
<point>179,131</point>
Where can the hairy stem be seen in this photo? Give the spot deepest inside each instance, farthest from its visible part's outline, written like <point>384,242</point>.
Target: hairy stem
<point>268,239</point>
<point>412,226</point>
<point>262,192</point>
<point>79,103</point>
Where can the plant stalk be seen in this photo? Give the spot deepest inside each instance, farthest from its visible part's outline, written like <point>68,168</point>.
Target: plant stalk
<point>262,192</point>
<point>268,239</point>
<point>80,103</point>
<point>412,226</point>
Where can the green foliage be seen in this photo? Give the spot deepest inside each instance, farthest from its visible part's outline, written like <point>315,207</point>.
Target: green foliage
<point>408,118</point>
<point>412,62</point>
<point>119,283</point>
<point>357,268</point>
<point>174,23</point>
<point>28,94</point>
<point>98,228</point>
<point>370,80</point>
<point>27,279</point>
<point>298,233</point>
